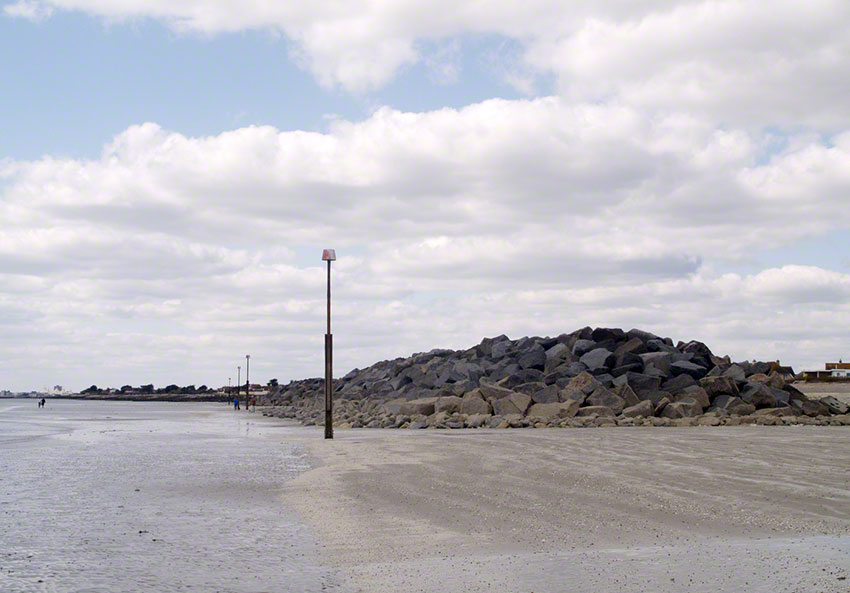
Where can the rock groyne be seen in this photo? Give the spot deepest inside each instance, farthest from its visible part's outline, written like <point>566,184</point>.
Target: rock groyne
<point>590,377</point>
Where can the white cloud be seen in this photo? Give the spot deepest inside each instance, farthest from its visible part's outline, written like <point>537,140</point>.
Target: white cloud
<point>740,63</point>
<point>30,10</point>
<point>534,216</point>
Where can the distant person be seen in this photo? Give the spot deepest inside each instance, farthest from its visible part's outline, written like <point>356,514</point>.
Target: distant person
<point>43,401</point>
<point>235,403</point>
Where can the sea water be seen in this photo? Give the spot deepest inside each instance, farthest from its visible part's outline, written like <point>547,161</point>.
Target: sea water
<point>131,496</point>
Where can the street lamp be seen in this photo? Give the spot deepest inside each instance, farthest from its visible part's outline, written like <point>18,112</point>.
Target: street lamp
<point>229,390</point>
<point>329,255</point>
<point>247,381</point>
<point>238,380</point>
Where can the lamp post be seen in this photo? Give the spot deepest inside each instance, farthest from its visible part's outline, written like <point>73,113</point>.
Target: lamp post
<point>238,380</point>
<point>229,390</point>
<point>247,381</point>
<point>329,255</point>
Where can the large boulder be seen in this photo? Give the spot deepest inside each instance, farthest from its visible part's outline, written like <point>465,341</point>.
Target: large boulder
<point>735,372</point>
<point>684,408</point>
<point>548,411</point>
<point>810,407</point>
<point>516,403</point>
<point>530,387</point>
<point>424,406</point>
<point>678,384</point>
<point>597,410</point>
<point>657,360</point>
<point>632,346</point>
<point>759,395</point>
<point>834,405</point>
<point>643,408</point>
<point>606,397</point>
<point>721,385</point>
<point>582,347</point>
<point>533,359</point>
<point>598,358</point>
<point>640,383</point>
<point>733,405</point>
<point>580,387</point>
<point>449,404</point>
<point>546,394</point>
<point>694,392</point>
<point>492,391</point>
<point>473,403</point>
<point>683,367</point>
<point>627,393</point>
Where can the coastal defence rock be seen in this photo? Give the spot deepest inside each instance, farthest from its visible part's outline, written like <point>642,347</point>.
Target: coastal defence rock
<point>590,377</point>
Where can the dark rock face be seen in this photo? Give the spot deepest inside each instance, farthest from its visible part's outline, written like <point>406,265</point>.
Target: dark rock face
<point>598,358</point>
<point>599,376</point>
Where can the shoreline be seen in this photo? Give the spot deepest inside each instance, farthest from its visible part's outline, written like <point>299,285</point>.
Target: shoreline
<point>630,509</point>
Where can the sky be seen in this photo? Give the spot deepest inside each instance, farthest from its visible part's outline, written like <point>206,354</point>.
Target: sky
<point>171,171</point>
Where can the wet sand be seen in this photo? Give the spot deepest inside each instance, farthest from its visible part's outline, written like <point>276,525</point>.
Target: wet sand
<point>751,508</point>
<point>111,497</point>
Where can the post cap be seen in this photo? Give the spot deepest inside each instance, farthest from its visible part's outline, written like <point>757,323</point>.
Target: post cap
<point>329,255</point>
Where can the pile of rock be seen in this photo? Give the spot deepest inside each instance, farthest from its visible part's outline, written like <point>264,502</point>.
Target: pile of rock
<point>591,377</point>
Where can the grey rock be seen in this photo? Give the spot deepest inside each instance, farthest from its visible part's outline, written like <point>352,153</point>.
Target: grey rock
<point>607,398</point>
<point>684,367</point>
<point>633,346</point>
<point>719,385</point>
<point>582,347</point>
<point>516,403</point>
<point>678,384</point>
<point>657,396</point>
<point>759,395</point>
<point>477,420</point>
<point>530,387</point>
<point>492,391</point>
<point>694,392</point>
<point>548,394</point>
<point>640,383</point>
<point>472,403</point>
<point>548,411</point>
<point>835,406</point>
<point>598,358</point>
<point>424,406</point>
<point>500,349</point>
<point>580,387</point>
<point>449,404</point>
<point>534,359</point>
<point>735,372</point>
<point>628,395</point>
<point>597,410</point>
<point>644,408</point>
<point>686,407</point>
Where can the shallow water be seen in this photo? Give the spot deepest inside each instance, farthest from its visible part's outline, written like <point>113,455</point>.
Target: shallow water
<point>126,496</point>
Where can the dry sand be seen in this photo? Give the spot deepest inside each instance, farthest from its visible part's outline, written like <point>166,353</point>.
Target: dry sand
<point>751,508</point>
<point>840,391</point>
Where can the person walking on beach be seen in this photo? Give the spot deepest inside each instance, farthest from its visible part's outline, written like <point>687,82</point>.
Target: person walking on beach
<point>235,403</point>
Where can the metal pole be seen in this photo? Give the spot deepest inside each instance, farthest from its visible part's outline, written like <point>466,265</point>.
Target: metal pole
<point>247,380</point>
<point>238,381</point>
<point>329,429</point>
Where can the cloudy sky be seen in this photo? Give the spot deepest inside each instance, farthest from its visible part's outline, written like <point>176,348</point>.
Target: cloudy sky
<point>170,172</point>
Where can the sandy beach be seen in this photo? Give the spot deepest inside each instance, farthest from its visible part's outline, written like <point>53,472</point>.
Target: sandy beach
<point>626,509</point>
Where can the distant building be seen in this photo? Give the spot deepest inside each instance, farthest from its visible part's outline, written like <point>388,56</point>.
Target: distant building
<point>832,370</point>
<point>787,372</point>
